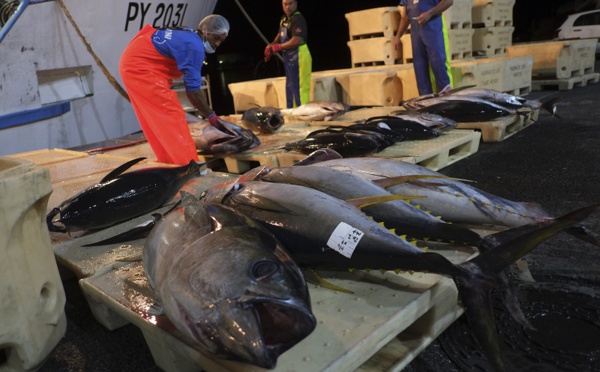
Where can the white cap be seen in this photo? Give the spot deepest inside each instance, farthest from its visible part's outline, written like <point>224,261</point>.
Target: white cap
<point>214,24</point>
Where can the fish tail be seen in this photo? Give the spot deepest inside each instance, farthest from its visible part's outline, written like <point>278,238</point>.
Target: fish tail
<point>477,277</point>
<point>583,233</point>
<point>549,104</point>
<point>51,226</point>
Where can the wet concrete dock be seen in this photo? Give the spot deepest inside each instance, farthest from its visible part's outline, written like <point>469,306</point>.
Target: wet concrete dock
<point>553,162</point>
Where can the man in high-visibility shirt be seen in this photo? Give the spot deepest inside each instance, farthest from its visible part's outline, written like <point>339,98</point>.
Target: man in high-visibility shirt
<point>291,41</point>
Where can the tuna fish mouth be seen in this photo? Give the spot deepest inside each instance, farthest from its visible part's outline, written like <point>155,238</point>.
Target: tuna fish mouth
<point>283,325</point>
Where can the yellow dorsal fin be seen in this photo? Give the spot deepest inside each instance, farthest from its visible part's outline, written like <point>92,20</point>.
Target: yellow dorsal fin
<point>376,199</point>
<point>391,181</point>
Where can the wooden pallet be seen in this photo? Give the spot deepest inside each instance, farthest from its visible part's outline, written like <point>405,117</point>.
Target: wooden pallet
<point>424,305</point>
<point>503,128</point>
<point>565,84</point>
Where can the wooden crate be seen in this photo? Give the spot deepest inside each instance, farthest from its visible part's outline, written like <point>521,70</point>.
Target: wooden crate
<point>492,13</point>
<point>558,59</point>
<point>374,51</point>
<point>492,40</point>
<point>376,22</point>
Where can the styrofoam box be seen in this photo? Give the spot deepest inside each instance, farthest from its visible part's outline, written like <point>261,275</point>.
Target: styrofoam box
<point>461,43</point>
<point>374,50</point>
<point>32,297</point>
<point>483,73</point>
<point>373,22</point>
<point>492,40</point>
<point>493,13</point>
<point>560,59</point>
<point>371,88</point>
<point>253,93</point>
<point>517,74</point>
<point>458,16</point>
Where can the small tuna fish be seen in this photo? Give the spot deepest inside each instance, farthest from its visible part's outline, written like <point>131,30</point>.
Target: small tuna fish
<point>317,110</point>
<point>227,284</point>
<point>231,140</point>
<point>121,196</point>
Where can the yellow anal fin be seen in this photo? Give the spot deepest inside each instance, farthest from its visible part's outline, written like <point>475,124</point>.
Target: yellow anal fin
<point>376,199</point>
<point>312,277</point>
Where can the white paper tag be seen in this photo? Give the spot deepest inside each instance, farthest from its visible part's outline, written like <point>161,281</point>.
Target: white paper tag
<point>344,239</point>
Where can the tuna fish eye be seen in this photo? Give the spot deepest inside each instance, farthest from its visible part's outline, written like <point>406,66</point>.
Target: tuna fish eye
<point>263,269</point>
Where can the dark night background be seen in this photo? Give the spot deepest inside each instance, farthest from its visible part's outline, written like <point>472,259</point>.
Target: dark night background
<point>240,57</point>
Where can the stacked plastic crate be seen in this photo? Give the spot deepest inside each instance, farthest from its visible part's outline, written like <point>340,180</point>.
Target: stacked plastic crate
<point>493,26</point>
<point>372,37</point>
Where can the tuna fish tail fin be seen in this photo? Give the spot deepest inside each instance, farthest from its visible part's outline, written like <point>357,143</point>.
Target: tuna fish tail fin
<point>476,278</point>
<point>583,233</point>
<point>549,104</point>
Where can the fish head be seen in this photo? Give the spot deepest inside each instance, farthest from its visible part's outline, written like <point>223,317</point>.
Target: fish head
<point>263,120</point>
<point>241,296</point>
<point>232,139</point>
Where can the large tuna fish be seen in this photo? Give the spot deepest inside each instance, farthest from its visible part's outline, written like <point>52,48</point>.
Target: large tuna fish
<point>324,232</point>
<point>403,217</point>
<point>317,110</point>
<point>121,196</point>
<point>452,200</point>
<point>227,284</point>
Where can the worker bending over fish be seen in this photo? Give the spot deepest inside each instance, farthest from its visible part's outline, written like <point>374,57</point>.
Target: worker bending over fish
<point>148,65</point>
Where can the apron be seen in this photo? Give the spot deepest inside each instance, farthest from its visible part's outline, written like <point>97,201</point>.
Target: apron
<point>147,76</point>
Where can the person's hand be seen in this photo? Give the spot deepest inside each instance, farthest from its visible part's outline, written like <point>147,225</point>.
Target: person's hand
<point>397,43</point>
<point>213,119</point>
<point>268,52</point>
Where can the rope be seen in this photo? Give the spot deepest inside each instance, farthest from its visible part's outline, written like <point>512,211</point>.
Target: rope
<point>108,75</point>
<point>255,28</point>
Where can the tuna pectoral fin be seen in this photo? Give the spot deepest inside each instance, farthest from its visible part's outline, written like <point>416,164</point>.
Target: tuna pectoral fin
<point>312,277</point>
<point>140,231</point>
<point>391,181</point>
<point>376,199</point>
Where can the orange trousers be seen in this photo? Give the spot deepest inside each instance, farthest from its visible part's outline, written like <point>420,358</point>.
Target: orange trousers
<point>147,76</point>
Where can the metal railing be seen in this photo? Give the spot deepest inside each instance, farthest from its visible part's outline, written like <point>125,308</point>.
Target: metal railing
<point>9,12</point>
